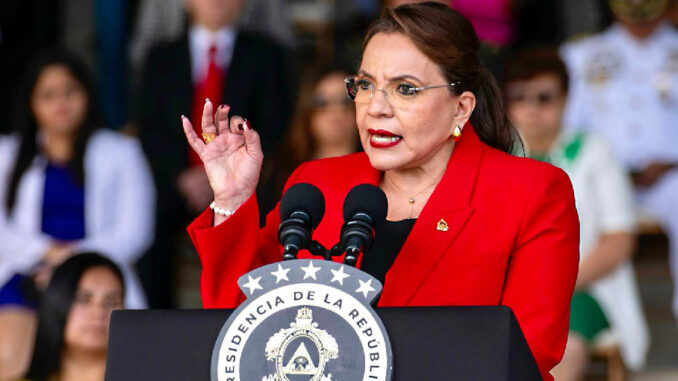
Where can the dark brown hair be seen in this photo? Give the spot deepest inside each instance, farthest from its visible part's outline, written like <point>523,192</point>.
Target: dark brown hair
<point>450,41</point>
<point>530,63</point>
<point>300,143</point>
<point>55,307</point>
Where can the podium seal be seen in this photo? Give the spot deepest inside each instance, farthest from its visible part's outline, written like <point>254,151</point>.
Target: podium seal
<point>304,320</point>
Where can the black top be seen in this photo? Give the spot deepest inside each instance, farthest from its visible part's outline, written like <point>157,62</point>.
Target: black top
<point>387,244</point>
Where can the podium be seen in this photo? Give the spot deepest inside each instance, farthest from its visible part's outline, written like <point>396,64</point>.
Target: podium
<point>429,343</point>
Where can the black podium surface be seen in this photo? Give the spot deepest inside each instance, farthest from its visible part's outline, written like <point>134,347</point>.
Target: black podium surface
<point>429,343</point>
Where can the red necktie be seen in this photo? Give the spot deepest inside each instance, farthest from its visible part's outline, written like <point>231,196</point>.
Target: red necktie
<point>211,87</point>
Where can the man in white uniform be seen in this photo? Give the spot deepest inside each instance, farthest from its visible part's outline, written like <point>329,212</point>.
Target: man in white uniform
<point>625,88</point>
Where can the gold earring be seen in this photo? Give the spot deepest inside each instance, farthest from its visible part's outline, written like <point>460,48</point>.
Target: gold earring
<point>456,134</point>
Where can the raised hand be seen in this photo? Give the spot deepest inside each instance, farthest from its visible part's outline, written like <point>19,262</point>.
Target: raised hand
<point>232,160</point>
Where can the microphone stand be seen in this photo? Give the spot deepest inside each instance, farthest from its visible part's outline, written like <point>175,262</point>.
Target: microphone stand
<point>316,248</point>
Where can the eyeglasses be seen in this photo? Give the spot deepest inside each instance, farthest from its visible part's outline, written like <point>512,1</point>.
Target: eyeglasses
<point>399,94</point>
<point>543,98</point>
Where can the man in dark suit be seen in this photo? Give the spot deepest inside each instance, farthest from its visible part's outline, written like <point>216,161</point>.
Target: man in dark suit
<point>211,60</point>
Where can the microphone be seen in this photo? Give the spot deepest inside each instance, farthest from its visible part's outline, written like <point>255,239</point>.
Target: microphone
<point>365,210</point>
<point>301,209</point>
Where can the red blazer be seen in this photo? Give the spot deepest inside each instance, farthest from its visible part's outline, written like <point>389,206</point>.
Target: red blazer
<point>513,240</point>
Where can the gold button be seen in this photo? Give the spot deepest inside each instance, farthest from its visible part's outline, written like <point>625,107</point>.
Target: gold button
<point>442,226</point>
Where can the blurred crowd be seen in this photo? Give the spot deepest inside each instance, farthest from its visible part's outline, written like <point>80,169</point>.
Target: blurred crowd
<point>97,183</point>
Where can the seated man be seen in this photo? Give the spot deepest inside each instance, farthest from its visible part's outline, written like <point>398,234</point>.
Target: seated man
<point>212,59</point>
<point>625,88</point>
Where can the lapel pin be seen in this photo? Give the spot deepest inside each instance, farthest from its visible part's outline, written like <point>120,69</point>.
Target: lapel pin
<point>442,226</point>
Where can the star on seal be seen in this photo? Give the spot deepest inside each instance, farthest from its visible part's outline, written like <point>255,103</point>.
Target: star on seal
<point>309,271</point>
<point>280,274</point>
<point>365,287</point>
<point>253,284</point>
<point>339,275</point>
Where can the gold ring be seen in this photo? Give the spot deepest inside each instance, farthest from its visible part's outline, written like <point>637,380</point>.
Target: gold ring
<point>207,137</point>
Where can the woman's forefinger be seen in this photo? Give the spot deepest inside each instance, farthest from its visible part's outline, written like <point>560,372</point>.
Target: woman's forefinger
<point>193,140</point>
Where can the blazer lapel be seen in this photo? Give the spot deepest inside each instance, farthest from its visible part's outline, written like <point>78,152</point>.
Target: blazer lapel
<point>439,224</point>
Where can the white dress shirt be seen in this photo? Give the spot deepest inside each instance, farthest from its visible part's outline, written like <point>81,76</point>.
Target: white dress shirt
<point>626,90</point>
<point>200,39</point>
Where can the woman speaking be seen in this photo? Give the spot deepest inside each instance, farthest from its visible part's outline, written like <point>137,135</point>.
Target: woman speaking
<point>471,224</point>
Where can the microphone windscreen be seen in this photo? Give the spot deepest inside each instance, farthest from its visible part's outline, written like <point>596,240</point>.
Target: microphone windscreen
<point>306,197</point>
<point>366,198</point>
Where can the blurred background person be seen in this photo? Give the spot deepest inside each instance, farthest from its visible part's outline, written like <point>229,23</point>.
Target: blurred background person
<point>625,88</point>
<point>165,20</point>
<point>73,320</point>
<point>323,126</point>
<point>212,59</point>
<point>619,78</point>
<point>66,186</point>
<point>606,295</point>
<point>95,30</point>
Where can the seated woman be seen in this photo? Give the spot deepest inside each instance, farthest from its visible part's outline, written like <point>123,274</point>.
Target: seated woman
<point>467,222</point>
<point>605,294</point>
<point>323,126</point>
<point>73,320</point>
<point>66,186</point>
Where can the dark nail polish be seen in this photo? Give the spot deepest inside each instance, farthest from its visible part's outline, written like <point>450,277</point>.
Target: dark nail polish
<point>240,127</point>
<point>247,124</point>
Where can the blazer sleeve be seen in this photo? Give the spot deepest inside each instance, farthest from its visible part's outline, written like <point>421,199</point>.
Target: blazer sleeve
<point>233,248</point>
<point>543,268</point>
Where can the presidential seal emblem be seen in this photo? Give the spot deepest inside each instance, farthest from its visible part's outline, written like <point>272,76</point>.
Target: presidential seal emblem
<point>301,361</point>
<point>304,320</point>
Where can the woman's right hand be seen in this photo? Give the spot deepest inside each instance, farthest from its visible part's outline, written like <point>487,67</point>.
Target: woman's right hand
<point>232,160</point>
